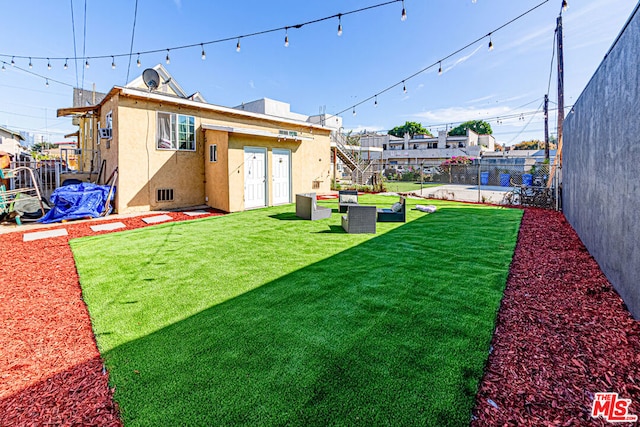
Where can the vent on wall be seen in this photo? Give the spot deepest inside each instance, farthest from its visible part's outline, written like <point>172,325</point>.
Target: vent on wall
<point>164,195</point>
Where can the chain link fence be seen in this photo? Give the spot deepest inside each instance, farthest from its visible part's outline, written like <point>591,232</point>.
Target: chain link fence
<point>514,183</point>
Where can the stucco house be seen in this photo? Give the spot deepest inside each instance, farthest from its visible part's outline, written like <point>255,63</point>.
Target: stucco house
<point>174,150</point>
<point>11,142</point>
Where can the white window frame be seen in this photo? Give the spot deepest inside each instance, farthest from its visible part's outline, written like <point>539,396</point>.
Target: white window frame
<point>174,131</point>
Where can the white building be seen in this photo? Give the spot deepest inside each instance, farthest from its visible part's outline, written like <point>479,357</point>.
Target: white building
<point>428,150</point>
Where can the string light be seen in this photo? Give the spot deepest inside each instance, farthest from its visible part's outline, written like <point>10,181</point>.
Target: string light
<point>238,45</point>
<point>490,42</point>
<point>404,13</point>
<point>3,69</point>
<point>138,61</point>
<point>204,55</point>
<point>286,37</point>
<point>354,111</point>
<point>404,87</point>
<point>339,24</point>
<point>65,63</point>
<point>440,69</point>
<point>565,5</point>
<point>30,64</point>
<point>48,64</point>
<point>375,104</point>
<point>86,64</point>
<point>47,83</point>
<point>13,63</point>
<point>113,63</point>
<point>167,59</point>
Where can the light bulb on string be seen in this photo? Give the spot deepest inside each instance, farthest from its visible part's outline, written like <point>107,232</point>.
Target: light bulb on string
<point>167,59</point>
<point>113,63</point>
<point>404,87</point>
<point>286,37</point>
<point>565,5</point>
<point>490,43</point>
<point>86,64</point>
<point>204,54</point>
<point>375,103</point>
<point>47,82</point>
<point>48,64</point>
<point>13,63</point>
<point>339,25</point>
<point>65,63</point>
<point>238,45</point>
<point>354,111</point>
<point>3,69</point>
<point>138,61</point>
<point>403,17</point>
<point>440,69</point>
<point>30,64</point>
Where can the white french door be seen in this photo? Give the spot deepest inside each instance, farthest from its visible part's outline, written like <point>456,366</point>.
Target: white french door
<point>255,182</point>
<point>281,170</point>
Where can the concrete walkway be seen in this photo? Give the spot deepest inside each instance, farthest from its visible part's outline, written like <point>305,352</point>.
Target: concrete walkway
<point>465,193</point>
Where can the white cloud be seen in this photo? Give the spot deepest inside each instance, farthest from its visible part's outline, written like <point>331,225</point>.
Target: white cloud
<point>362,128</point>
<point>461,114</point>
<point>178,3</point>
<point>484,98</point>
<point>251,84</point>
<point>461,60</point>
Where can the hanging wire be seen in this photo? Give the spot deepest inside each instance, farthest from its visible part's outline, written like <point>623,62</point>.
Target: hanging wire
<point>75,53</point>
<point>133,32</point>
<point>402,82</point>
<point>222,40</point>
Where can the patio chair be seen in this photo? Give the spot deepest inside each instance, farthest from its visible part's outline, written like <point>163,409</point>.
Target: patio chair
<point>347,198</point>
<point>360,219</point>
<point>307,207</point>
<point>397,212</point>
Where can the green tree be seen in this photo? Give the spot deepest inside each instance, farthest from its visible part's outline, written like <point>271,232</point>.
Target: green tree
<point>478,126</point>
<point>534,144</point>
<point>412,128</point>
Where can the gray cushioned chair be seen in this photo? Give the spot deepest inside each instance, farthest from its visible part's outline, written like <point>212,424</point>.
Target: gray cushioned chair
<point>347,198</point>
<point>307,207</point>
<point>394,215</point>
<point>360,219</point>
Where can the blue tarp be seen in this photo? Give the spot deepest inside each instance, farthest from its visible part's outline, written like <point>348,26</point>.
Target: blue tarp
<point>78,201</point>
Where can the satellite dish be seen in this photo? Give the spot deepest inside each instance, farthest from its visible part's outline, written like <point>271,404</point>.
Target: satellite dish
<point>151,78</point>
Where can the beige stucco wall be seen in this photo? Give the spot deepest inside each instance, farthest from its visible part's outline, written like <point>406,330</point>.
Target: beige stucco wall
<point>143,169</point>
<point>217,173</point>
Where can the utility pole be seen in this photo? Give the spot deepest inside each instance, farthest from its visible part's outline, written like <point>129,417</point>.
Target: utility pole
<point>546,127</point>
<point>560,88</point>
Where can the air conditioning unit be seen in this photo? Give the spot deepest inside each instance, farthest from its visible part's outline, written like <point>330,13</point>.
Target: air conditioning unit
<point>105,133</point>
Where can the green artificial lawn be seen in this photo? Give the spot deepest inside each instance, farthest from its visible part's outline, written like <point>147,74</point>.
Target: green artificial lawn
<point>259,318</point>
<point>404,187</point>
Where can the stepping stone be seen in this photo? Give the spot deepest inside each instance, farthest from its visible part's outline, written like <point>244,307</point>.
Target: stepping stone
<point>156,219</point>
<point>195,213</point>
<point>28,237</point>
<point>108,227</point>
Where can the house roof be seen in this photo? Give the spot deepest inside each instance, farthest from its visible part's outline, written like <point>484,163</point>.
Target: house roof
<point>176,95</point>
<point>9,131</point>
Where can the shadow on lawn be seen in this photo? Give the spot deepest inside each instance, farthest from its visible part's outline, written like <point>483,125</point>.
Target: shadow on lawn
<point>372,335</point>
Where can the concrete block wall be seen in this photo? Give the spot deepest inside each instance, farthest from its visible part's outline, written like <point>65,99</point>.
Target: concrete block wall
<point>601,165</point>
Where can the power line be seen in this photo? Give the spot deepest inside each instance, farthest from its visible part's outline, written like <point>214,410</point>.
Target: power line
<point>525,126</point>
<point>210,42</point>
<point>438,62</point>
<point>133,32</point>
<point>75,54</point>
<point>84,41</point>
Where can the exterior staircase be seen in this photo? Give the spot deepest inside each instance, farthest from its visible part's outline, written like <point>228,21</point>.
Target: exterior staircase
<point>362,170</point>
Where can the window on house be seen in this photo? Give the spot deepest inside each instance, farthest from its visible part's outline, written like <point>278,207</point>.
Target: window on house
<point>213,153</point>
<point>176,132</point>
<point>108,118</point>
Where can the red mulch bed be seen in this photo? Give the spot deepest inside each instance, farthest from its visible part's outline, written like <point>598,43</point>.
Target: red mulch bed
<point>562,335</point>
<point>50,369</point>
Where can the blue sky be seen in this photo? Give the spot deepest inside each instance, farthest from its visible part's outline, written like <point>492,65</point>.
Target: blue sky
<point>318,70</point>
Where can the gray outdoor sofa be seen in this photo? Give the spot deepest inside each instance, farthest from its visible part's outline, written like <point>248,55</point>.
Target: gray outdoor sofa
<point>347,198</point>
<point>307,207</point>
<point>360,219</point>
